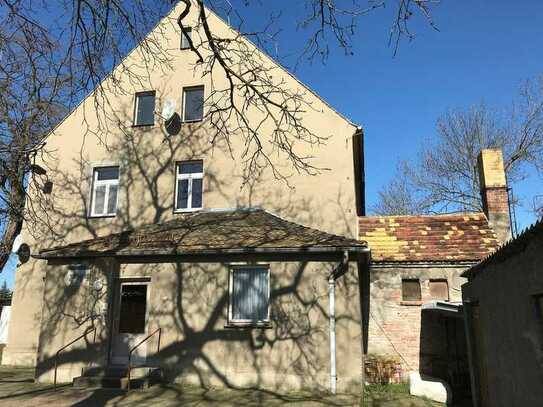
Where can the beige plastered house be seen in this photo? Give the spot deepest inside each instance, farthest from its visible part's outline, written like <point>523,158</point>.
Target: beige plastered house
<point>155,239</point>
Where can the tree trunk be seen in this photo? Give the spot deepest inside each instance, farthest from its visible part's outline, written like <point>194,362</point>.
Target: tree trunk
<point>12,230</point>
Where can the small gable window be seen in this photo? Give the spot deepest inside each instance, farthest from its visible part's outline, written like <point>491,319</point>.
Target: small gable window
<point>185,36</point>
<point>411,289</point>
<point>249,295</point>
<point>439,289</point>
<point>144,111</point>
<point>189,188</point>
<point>105,186</point>
<point>193,104</point>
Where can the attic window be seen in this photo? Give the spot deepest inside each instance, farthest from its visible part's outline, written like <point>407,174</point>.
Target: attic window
<point>439,290</point>
<point>185,36</point>
<point>144,110</point>
<point>411,289</point>
<point>193,104</point>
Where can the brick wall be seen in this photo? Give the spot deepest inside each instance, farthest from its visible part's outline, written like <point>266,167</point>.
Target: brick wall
<point>395,325</point>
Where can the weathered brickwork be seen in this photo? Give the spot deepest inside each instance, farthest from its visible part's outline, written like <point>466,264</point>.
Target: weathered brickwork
<point>425,248</point>
<point>495,200</point>
<point>395,325</point>
<point>494,192</point>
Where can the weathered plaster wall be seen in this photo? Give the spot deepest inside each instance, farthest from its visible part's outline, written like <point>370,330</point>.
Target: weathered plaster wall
<point>189,302</point>
<point>99,133</point>
<point>512,331</point>
<point>394,325</point>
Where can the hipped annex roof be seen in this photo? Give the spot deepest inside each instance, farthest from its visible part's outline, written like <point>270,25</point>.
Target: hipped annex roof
<point>438,238</point>
<point>210,232</point>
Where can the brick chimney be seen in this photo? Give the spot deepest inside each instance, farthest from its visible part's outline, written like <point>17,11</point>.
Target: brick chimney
<point>494,192</point>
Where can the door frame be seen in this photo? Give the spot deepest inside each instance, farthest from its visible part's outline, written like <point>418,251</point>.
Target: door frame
<point>116,309</point>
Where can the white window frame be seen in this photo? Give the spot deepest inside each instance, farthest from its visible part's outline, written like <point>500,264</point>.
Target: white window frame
<point>190,177</point>
<point>245,322</point>
<point>107,183</point>
<point>136,103</point>
<point>183,35</point>
<point>184,101</point>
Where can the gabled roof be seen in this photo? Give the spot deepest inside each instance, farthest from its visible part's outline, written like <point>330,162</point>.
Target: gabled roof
<point>167,15</point>
<point>509,249</point>
<point>210,232</point>
<point>436,238</point>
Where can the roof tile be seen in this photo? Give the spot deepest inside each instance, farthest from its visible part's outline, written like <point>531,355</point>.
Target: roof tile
<point>204,232</point>
<point>453,237</point>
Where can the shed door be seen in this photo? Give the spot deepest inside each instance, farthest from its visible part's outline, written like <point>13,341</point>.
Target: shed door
<point>130,325</point>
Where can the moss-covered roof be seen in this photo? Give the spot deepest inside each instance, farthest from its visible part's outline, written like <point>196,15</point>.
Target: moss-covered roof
<point>225,231</point>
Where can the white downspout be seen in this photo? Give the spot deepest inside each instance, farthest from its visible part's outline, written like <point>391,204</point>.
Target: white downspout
<point>342,269</point>
<point>332,313</point>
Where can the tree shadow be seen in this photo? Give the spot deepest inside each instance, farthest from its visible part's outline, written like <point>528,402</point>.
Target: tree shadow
<point>190,299</point>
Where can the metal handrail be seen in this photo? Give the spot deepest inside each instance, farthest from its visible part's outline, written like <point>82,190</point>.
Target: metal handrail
<point>88,331</point>
<point>159,330</point>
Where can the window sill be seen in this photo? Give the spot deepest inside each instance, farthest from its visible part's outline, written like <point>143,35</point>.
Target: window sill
<point>411,303</point>
<point>189,210</point>
<point>101,216</point>
<point>143,126</point>
<point>193,121</point>
<point>245,325</point>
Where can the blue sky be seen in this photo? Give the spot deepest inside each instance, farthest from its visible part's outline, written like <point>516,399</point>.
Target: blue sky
<point>483,52</point>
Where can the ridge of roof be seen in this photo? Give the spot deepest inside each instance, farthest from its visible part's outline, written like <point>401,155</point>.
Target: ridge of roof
<point>427,216</point>
<point>288,72</point>
<point>511,247</point>
<point>167,15</point>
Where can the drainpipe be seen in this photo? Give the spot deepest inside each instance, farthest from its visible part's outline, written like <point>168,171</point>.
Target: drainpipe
<point>332,313</point>
<point>338,272</point>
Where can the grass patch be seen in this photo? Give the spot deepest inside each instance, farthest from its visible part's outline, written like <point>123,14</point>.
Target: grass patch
<point>393,395</point>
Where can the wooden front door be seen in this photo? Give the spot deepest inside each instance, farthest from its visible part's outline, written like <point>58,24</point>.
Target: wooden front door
<point>130,323</point>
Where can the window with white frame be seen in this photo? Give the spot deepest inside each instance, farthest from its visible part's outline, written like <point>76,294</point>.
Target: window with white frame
<point>105,185</point>
<point>249,294</point>
<point>193,104</point>
<point>189,188</point>
<point>185,36</point>
<point>144,111</point>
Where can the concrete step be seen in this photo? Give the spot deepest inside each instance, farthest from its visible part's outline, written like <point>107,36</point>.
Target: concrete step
<point>120,371</point>
<point>116,377</point>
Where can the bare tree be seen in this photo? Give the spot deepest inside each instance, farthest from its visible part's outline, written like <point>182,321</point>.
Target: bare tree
<point>445,179</point>
<point>55,52</point>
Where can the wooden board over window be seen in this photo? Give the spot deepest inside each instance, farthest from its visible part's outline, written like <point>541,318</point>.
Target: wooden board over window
<point>439,289</point>
<point>411,289</point>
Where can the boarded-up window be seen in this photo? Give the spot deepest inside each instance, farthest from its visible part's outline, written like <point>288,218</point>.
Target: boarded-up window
<point>439,290</point>
<point>411,289</point>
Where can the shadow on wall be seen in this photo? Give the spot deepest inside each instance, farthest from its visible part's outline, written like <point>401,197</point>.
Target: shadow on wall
<point>443,352</point>
<point>195,321</point>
